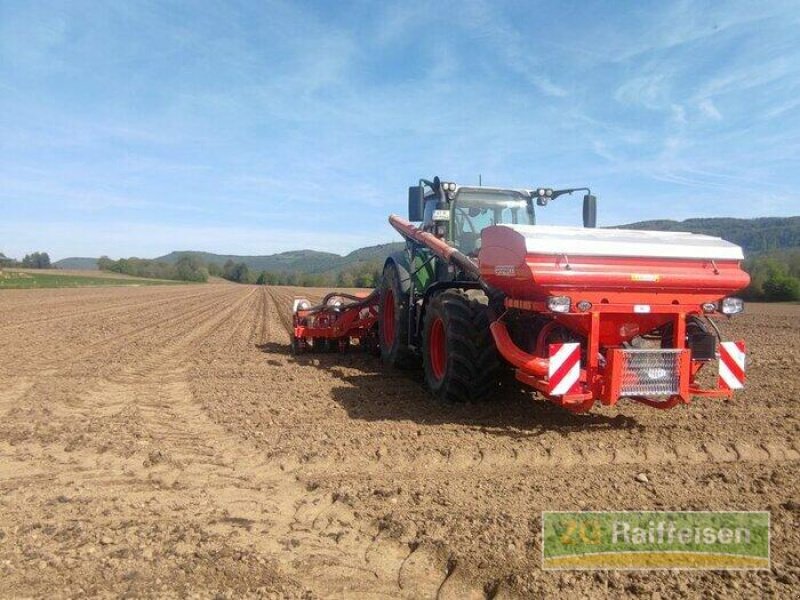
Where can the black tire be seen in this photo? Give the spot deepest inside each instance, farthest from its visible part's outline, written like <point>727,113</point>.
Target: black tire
<point>693,325</point>
<point>393,320</point>
<point>469,367</point>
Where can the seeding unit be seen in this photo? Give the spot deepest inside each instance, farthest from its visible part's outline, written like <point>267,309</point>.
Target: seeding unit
<point>579,314</point>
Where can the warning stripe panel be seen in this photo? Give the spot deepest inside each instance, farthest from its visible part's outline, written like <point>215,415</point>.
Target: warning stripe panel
<point>731,365</point>
<point>735,351</point>
<point>566,384</point>
<point>564,368</point>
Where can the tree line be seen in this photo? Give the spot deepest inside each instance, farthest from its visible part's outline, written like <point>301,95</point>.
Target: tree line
<point>759,235</point>
<point>186,268</point>
<point>363,275</point>
<point>34,260</point>
<point>774,277</point>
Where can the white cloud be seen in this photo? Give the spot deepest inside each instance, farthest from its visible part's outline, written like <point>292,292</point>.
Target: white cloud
<point>678,114</point>
<point>287,117</point>
<point>651,91</point>
<point>710,110</point>
<point>513,45</point>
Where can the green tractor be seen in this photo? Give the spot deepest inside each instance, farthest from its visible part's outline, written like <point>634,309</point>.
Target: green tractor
<point>437,310</point>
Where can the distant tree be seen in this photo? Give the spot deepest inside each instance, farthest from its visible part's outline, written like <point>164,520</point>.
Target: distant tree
<point>781,287</point>
<point>186,268</point>
<point>238,272</point>
<point>793,264</point>
<point>365,277</point>
<point>104,263</point>
<point>191,268</point>
<point>214,269</point>
<point>6,261</point>
<point>36,260</point>
<point>227,270</point>
<point>125,266</point>
<point>267,278</point>
<point>345,280</point>
<point>241,273</point>
<point>774,276</point>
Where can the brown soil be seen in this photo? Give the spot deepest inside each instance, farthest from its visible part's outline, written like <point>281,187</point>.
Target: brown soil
<point>162,442</point>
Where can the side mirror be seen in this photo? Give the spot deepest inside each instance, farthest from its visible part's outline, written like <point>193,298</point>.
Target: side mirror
<point>589,211</point>
<point>416,204</point>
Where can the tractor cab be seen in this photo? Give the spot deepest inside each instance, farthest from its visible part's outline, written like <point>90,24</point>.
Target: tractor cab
<point>474,209</point>
<point>458,213</point>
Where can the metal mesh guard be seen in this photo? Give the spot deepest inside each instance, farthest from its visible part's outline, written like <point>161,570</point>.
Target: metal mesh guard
<point>650,372</point>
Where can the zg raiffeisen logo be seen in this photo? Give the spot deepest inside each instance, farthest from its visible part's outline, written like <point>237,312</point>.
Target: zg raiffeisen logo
<point>655,540</point>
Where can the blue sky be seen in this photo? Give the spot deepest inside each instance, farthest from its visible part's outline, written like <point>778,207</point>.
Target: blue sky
<point>135,128</point>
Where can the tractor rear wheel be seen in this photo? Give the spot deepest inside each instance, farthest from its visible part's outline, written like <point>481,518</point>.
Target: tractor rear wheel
<point>393,321</point>
<point>458,351</point>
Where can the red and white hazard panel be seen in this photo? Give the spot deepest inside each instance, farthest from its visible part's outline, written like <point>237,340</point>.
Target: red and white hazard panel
<point>731,365</point>
<point>564,369</point>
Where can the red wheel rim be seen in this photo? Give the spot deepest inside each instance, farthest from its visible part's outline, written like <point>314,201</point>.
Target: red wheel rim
<point>437,349</point>
<point>387,314</point>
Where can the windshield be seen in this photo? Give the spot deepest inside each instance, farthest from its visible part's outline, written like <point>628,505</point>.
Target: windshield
<point>473,210</point>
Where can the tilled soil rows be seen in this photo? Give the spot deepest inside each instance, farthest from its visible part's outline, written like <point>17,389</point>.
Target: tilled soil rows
<point>163,442</point>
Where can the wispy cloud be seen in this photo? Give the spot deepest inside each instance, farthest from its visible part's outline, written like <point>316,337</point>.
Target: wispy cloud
<point>709,109</point>
<point>285,125</point>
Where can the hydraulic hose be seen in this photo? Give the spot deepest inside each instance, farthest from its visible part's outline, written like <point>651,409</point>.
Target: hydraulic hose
<point>528,363</point>
<point>439,247</point>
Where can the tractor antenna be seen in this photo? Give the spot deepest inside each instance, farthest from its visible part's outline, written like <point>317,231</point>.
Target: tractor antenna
<point>480,180</point>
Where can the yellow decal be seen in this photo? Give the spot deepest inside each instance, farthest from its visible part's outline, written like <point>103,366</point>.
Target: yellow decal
<point>645,277</point>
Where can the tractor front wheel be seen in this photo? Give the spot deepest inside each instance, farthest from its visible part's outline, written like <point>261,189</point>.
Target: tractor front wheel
<point>458,352</point>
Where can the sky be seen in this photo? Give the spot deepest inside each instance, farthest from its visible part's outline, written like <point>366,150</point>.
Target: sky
<point>133,128</point>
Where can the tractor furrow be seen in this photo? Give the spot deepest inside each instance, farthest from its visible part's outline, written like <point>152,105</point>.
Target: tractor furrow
<point>148,447</point>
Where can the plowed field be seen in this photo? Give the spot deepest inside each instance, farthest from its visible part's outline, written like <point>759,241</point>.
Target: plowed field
<point>162,442</point>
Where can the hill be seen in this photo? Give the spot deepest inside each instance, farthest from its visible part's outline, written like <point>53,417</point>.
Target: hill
<point>77,263</point>
<point>771,246</point>
<point>753,235</point>
<point>295,261</point>
<point>770,235</point>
